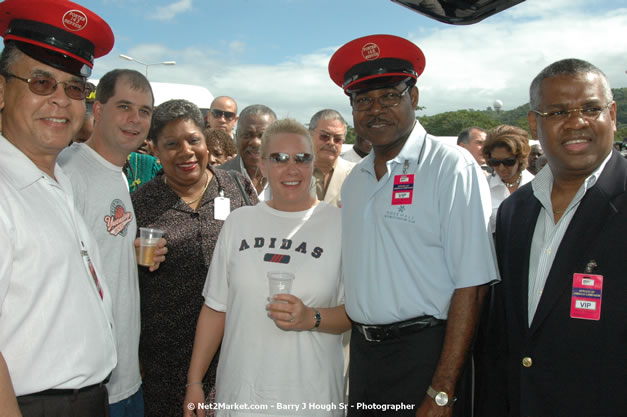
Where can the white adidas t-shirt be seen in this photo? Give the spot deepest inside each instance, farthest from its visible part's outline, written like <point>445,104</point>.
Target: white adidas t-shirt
<point>262,366</point>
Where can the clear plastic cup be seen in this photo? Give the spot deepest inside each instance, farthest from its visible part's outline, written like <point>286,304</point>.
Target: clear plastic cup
<point>279,283</point>
<point>148,239</point>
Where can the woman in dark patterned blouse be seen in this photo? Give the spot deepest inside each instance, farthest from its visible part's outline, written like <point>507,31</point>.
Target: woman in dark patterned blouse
<point>188,200</point>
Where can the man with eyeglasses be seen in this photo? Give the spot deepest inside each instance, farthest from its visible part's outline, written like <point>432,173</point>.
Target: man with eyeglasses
<point>416,251</point>
<point>328,130</point>
<point>251,124</point>
<point>556,340</point>
<point>223,114</point>
<point>56,324</point>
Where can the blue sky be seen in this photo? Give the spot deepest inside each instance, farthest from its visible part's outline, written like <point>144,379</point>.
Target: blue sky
<point>276,52</point>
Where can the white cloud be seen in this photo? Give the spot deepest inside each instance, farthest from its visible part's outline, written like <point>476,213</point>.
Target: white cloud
<point>467,66</point>
<point>170,11</point>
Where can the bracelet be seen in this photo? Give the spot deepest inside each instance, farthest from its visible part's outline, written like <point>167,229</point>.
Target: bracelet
<point>317,317</point>
<point>193,383</point>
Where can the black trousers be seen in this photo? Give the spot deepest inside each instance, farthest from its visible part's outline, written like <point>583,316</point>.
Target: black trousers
<point>392,377</point>
<point>89,403</point>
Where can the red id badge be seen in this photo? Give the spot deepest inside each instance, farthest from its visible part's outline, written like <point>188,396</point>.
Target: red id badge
<point>403,190</point>
<point>586,299</point>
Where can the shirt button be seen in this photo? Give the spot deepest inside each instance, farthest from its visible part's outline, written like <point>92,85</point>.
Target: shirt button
<point>527,362</point>
<point>548,251</point>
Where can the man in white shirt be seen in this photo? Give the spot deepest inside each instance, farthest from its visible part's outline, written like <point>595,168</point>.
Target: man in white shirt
<point>416,251</point>
<point>57,338</point>
<point>122,114</point>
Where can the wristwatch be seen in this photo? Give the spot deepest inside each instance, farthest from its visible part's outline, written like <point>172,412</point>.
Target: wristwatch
<point>317,318</point>
<point>441,398</point>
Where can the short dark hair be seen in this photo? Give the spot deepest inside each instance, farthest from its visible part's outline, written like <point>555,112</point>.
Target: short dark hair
<point>464,135</point>
<point>172,110</point>
<point>221,139</point>
<point>106,85</point>
<point>9,55</point>
<point>256,110</point>
<point>570,66</point>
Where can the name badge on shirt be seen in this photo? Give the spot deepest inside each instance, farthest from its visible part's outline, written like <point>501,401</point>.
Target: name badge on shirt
<point>403,190</point>
<point>586,298</point>
<point>221,208</point>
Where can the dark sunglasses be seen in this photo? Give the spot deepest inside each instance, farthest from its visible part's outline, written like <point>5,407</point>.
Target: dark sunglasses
<point>283,158</point>
<point>509,162</point>
<point>45,85</point>
<point>228,115</point>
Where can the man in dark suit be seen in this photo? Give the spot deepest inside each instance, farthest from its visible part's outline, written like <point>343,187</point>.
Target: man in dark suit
<point>557,337</point>
<point>252,122</point>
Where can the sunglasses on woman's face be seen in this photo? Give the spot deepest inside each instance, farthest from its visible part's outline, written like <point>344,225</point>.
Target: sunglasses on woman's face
<point>509,162</point>
<point>283,158</point>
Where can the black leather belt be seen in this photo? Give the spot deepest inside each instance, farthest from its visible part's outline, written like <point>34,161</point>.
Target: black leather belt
<point>373,333</point>
<point>73,391</point>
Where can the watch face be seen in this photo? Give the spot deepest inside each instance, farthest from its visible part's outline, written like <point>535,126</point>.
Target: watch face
<point>441,399</point>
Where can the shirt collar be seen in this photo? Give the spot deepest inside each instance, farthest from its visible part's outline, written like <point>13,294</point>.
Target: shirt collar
<point>542,184</point>
<point>19,169</point>
<point>410,152</point>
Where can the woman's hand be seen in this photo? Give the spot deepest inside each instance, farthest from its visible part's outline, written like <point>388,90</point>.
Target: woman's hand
<point>194,395</point>
<point>290,313</point>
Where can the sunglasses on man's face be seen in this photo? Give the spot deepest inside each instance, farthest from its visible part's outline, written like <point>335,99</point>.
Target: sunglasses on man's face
<point>228,115</point>
<point>509,162</point>
<point>283,158</point>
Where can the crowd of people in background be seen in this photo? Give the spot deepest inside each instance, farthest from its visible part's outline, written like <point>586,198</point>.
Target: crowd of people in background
<point>482,279</point>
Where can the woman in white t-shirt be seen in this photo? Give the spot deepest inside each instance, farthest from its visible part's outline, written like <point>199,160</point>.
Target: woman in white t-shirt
<point>283,358</point>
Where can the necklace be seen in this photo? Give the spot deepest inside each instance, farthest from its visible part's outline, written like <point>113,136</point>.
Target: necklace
<point>515,183</point>
<point>202,193</point>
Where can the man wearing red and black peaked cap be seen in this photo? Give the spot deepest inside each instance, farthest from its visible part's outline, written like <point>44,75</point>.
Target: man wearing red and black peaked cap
<point>56,326</point>
<point>416,249</point>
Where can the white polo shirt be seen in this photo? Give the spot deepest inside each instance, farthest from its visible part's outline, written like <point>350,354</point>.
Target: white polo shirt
<point>405,261</point>
<point>55,329</point>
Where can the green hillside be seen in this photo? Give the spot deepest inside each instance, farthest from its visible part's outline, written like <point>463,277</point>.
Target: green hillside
<point>451,123</point>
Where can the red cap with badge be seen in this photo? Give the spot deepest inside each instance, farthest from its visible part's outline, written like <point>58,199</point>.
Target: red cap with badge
<point>59,33</point>
<point>374,61</point>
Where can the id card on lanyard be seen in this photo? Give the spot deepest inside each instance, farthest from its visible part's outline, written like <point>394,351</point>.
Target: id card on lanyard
<point>403,188</point>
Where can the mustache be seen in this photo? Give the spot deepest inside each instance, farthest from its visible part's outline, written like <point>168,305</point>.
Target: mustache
<point>330,148</point>
<point>377,120</point>
<point>252,149</point>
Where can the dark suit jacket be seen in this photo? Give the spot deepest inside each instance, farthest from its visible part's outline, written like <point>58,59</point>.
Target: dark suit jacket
<point>232,165</point>
<point>579,366</point>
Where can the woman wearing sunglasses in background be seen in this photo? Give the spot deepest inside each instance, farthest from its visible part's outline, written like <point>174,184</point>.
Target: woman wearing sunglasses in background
<point>506,150</point>
<point>288,351</point>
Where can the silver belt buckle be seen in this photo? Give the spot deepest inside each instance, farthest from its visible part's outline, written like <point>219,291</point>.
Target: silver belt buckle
<point>366,335</point>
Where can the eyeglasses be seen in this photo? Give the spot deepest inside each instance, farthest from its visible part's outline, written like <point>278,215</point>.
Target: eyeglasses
<point>283,158</point>
<point>325,137</point>
<point>589,113</point>
<point>509,162</point>
<point>365,103</point>
<point>45,85</point>
<point>228,115</point>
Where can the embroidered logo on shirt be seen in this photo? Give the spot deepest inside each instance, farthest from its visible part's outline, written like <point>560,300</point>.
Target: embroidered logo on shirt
<point>117,222</point>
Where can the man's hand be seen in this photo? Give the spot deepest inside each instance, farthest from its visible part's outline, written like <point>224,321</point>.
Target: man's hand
<point>429,408</point>
<point>160,253</point>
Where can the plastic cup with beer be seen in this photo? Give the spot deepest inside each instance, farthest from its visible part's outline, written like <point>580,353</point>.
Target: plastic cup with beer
<point>279,283</point>
<point>148,239</point>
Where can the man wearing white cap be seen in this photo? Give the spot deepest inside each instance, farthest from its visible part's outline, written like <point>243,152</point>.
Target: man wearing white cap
<point>417,254</point>
<point>57,345</point>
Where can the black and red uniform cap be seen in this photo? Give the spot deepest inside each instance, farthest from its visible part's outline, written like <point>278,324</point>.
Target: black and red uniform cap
<point>376,61</point>
<point>59,33</point>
